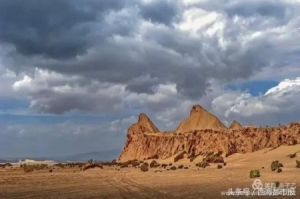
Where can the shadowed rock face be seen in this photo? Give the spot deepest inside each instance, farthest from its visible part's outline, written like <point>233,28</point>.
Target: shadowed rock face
<point>202,132</point>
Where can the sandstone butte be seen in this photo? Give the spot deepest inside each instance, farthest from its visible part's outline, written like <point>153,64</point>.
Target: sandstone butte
<point>202,132</point>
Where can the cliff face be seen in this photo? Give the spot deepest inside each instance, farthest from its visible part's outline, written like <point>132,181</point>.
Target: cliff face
<point>198,134</point>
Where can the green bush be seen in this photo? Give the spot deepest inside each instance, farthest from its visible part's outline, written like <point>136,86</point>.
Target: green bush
<point>274,165</point>
<point>254,173</point>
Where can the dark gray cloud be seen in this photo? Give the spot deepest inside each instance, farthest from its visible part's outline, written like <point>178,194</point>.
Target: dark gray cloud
<point>249,8</point>
<point>117,58</point>
<point>55,29</point>
<point>143,84</point>
<point>162,11</point>
<point>121,48</point>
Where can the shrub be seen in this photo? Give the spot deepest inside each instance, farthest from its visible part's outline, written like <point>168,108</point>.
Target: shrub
<point>60,165</point>
<point>219,166</point>
<point>173,168</point>
<point>154,164</point>
<point>293,155</point>
<point>224,164</point>
<point>50,170</point>
<point>254,173</point>
<point>202,164</point>
<point>186,168</point>
<point>92,165</point>
<point>298,164</point>
<point>144,167</point>
<point>40,166</point>
<point>274,165</point>
<point>28,168</point>
<point>164,165</point>
<point>279,170</point>
<point>170,164</point>
<point>180,167</point>
<point>277,183</point>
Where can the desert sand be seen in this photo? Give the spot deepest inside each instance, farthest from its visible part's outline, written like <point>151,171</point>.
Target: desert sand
<point>131,183</point>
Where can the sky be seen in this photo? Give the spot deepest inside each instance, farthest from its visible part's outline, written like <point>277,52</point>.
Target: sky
<point>75,74</point>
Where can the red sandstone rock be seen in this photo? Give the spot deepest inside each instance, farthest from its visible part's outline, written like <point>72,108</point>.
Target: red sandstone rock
<point>202,132</point>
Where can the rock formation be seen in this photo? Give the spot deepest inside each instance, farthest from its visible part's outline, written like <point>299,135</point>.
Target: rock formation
<point>235,125</point>
<point>200,119</point>
<point>201,133</point>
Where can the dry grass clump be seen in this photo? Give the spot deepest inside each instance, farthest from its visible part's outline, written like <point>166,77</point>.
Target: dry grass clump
<point>28,168</point>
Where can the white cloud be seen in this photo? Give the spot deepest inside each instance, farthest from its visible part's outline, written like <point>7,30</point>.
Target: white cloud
<point>286,85</point>
<point>280,102</point>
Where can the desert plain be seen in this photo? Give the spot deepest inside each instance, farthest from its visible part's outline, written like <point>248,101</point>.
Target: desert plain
<point>128,183</point>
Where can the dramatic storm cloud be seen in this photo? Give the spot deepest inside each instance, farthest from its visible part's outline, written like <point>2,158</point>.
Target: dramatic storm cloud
<point>116,58</point>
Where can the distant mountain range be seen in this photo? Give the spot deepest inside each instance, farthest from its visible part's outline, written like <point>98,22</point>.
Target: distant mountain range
<point>82,157</point>
<point>96,155</point>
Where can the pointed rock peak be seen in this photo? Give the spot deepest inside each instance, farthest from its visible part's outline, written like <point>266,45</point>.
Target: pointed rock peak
<point>200,119</point>
<point>197,109</point>
<point>145,121</point>
<point>235,125</point>
<point>143,118</point>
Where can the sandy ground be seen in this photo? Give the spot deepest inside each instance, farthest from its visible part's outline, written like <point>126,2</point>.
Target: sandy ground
<point>129,183</point>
